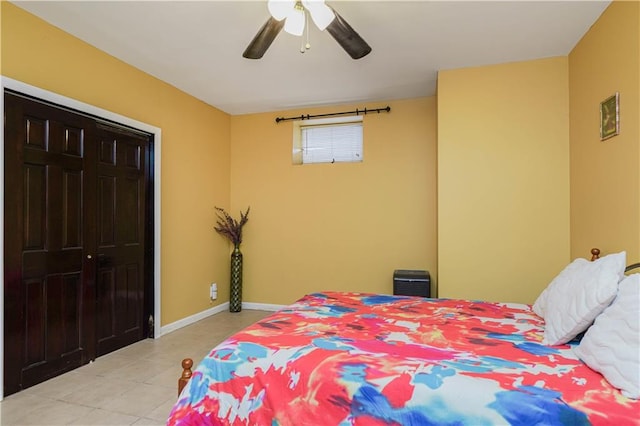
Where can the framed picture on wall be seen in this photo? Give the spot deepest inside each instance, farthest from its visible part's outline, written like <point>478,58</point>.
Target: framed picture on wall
<point>610,117</point>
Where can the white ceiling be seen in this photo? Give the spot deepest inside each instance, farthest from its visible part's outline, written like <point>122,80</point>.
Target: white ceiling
<point>197,46</point>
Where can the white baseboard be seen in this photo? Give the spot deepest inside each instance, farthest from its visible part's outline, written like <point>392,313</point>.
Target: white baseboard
<point>215,310</point>
<point>193,318</point>
<point>262,306</point>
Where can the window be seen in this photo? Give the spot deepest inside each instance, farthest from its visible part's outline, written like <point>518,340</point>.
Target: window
<point>327,140</point>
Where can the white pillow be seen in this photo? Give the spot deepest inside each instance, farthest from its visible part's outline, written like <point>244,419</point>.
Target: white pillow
<point>611,346</point>
<point>540,305</point>
<point>577,295</point>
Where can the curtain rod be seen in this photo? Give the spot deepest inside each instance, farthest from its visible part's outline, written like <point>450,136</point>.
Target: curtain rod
<point>356,112</point>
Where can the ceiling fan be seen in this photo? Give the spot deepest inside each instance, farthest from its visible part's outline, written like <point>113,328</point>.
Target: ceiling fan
<point>292,16</point>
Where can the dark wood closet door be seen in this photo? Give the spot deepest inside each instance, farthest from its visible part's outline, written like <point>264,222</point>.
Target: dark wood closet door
<point>121,194</point>
<point>78,239</point>
<point>48,284</point>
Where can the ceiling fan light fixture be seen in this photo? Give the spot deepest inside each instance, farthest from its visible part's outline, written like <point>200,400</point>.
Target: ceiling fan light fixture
<point>294,23</point>
<point>280,9</point>
<point>321,14</point>
<point>293,17</point>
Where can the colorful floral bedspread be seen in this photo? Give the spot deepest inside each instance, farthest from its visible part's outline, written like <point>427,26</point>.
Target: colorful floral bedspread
<point>364,359</point>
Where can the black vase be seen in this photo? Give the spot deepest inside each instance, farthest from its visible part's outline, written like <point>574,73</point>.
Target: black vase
<point>235,296</point>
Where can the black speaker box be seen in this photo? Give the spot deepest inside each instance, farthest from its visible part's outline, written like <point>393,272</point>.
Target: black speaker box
<point>411,283</point>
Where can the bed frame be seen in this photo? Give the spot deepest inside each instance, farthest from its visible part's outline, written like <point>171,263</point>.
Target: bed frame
<point>187,363</point>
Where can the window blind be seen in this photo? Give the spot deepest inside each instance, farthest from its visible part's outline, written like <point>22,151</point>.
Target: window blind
<point>331,143</point>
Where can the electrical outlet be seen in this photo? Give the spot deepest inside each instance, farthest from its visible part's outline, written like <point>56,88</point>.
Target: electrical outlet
<point>213,291</point>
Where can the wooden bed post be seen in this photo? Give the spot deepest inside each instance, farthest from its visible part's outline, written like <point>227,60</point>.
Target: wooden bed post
<point>187,363</point>
<point>595,254</point>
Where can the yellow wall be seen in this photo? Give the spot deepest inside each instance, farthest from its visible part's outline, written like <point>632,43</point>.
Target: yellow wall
<point>605,176</point>
<point>503,180</point>
<point>335,226</point>
<point>195,146</point>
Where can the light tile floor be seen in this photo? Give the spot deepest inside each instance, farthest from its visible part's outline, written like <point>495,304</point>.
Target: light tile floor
<point>134,385</point>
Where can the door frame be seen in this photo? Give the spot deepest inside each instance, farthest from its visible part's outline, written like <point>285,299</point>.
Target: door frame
<point>18,86</point>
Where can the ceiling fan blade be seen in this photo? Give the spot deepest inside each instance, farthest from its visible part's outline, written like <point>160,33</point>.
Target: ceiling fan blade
<point>348,38</point>
<point>263,39</point>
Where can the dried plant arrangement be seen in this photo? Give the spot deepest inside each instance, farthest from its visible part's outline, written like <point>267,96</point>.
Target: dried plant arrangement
<point>228,227</point>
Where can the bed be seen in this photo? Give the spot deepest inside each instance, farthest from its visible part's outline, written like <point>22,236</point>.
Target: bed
<point>341,358</point>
